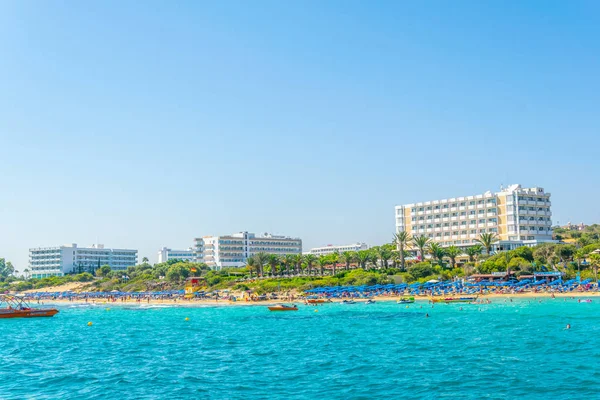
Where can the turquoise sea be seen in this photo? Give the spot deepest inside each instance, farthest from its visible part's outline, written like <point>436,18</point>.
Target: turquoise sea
<point>385,350</point>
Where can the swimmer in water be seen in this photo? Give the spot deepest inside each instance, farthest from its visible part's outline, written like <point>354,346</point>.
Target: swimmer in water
<point>568,327</point>
<point>426,315</point>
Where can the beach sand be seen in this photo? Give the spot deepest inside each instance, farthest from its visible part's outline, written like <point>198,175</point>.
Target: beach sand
<point>300,302</point>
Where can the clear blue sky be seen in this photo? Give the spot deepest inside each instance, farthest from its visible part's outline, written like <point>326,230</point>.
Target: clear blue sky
<point>143,124</point>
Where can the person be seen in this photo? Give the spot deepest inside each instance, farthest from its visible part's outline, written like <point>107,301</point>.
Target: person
<point>426,315</point>
<point>568,326</point>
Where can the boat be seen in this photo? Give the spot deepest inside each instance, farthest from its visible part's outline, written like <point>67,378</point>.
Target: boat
<point>406,300</point>
<point>316,301</point>
<point>585,301</point>
<point>17,307</point>
<point>370,301</point>
<point>283,307</point>
<point>348,302</point>
<point>454,300</point>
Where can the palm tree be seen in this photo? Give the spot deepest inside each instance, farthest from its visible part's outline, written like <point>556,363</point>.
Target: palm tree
<point>26,272</point>
<point>363,257</point>
<point>260,260</point>
<point>384,255</point>
<point>437,252</point>
<point>273,261</point>
<point>297,263</point>
<point>487,240</point>
<point>251,263</point>
<point>402,240</point>
<point>289,260</point>
<point>310,259</point>
<point>474,251</point>
<point>452,252</point>
<point>145,260</point>
<point>420,242</point>
<point>334,257</point>
<point>347,257</point>
<point>322,261</point>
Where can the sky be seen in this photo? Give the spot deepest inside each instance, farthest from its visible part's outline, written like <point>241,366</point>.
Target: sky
<point>146,124</point>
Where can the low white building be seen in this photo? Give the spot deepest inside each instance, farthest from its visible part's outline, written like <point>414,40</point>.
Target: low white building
<point>233,250</point>
<point>60,260</point>
<point>165,254</point>
<point>329,249</point>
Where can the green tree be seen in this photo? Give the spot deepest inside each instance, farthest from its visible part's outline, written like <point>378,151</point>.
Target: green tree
<point>437,252</point>
<point>383,255</point>
<point>421,242</point>
<point>310,260</point>
<point>273,261</point>
<point>487,240</point>
<point>473,252</point>
<point>103,270</point>
<point>363,257</point>
<point>297,263</point>
<point>260,259</point>
<point>402,241</point>
<point>289,260</point>
<point>334,258</point>
<point>322,261</point>
<point>595,263</point>
<point>6,269</point>
<point>145,260</point>
<point>347,257</point>
<point>250,264</point>
<point>452,252</point>
<point>421,270</point>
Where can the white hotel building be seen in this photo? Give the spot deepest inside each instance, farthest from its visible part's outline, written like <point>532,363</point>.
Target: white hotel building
<point>329,249</point>
<point>233,250</point>
<point>519,216</point>
<point>165,254</point>
<point>60,260</point>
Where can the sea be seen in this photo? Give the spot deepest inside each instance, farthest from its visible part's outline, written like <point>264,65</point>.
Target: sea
<point>503,350</point>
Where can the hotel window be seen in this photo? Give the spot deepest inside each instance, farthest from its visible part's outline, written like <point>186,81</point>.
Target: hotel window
<point>437,225</point>
<point>445,206</point>
<point>436,207</point>
<point>421,218</point>
<point>414,219</point>
<point>462,214</point>
<point>463,232</point>
<point>471,212</point>
<point>454,214</point>
<point>462,204</point>
<point>472,222</point>
<point>453,205</point>
<point>471,203</point>
<point>463,223</point>
<point>480,202</point>
<point>438,235</point>
<point>420,208</point>
<point>445,215</point>
<point>446,233</point>
<point>429,217</point>
<point>455,233</point>
<point>455,224</point>
<point>473,231</point>
<point>446,224</point>
<point>428,208</point>
<point>482,221</point>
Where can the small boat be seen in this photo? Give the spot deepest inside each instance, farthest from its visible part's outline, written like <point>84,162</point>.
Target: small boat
<point>17,307</point>
<point>348,302</point>
<point>454,300</point>
<point>316,301</point>
<point>283,307</point>
<point>406,300</point>
<point>585,301</point>
<point>370,301</point>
